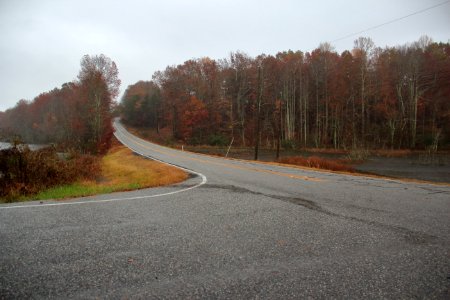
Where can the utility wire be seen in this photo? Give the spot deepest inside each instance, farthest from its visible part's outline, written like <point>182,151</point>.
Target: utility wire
<point>391,21</point>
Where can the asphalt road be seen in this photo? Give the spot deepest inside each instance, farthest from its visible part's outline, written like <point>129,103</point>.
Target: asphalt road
<point>235,229</point>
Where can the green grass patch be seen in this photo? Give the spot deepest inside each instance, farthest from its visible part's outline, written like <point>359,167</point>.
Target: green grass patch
<point>81,190</point>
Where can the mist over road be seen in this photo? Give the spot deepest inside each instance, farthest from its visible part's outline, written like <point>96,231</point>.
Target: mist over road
<point>235,229</point>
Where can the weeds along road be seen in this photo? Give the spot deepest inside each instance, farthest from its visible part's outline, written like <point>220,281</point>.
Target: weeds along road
<point>235,229</point>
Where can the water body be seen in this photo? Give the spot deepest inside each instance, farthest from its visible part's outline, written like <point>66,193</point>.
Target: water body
<point>4,145</point>
<point>32,147</point>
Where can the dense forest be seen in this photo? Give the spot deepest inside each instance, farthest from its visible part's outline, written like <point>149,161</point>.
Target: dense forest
<point>369,97</point>
<point>76,116</point>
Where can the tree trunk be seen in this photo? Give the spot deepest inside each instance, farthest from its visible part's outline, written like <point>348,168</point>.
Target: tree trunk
<point>258,113</point>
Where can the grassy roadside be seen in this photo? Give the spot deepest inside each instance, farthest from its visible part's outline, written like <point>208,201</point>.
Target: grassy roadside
<point>121,170</point>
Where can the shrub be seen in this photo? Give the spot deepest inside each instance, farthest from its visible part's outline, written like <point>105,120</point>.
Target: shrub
<point>288,144</point>
<point>218,140</point>
<point>318,163</point>
<point>194,141</point>
<point>26,172</point>
<point>358,154</point>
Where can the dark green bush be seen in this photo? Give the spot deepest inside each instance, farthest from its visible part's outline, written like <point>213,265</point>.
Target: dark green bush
<point>194,141</point>
<point>288,144</point>
<point>218,140</point>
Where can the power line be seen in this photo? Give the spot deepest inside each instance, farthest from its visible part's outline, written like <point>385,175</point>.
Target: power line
<point>391,21</point>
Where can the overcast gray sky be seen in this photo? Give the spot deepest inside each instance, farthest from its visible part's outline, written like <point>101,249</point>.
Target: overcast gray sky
<point>42,41</point>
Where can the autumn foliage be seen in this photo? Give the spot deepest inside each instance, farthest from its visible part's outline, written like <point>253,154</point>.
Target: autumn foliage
<point>367,97</point>
<point>76,116</point>
<point>75,119</point>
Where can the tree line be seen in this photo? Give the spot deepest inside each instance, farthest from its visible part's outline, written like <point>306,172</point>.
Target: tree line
<point>369,97</point>
<point>77,116</point>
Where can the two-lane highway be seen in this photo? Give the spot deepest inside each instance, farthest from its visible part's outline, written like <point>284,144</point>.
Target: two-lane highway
<point>235,229</point>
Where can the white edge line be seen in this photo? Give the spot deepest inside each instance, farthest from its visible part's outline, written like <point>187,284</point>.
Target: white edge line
<point>204,180</point>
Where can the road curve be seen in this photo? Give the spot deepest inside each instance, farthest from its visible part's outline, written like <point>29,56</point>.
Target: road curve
<point>235,229</point>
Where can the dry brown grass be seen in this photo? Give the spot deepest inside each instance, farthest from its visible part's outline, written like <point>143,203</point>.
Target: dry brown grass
<point>121,170</point>
<point>326,150</point>
<point>123,167</point>
<point>318,163</point>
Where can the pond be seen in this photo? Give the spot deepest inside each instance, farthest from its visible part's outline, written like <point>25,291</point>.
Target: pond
<point>31,146</point>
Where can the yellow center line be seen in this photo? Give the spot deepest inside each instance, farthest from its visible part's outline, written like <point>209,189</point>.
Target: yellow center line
<point>292,176</point>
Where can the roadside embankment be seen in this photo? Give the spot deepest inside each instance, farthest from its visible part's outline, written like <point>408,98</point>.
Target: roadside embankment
<point>119,170</point>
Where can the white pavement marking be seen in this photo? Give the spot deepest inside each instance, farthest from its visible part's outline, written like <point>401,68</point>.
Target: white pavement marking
<point>204,180</point>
